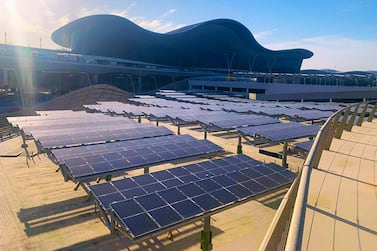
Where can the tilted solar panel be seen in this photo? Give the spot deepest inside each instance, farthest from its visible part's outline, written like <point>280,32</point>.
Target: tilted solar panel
<point>305,145</point>
<point>83,137</point>
<point>241,178</point>
<point>242,121</point>
<point>129,155</point>
<point>281,131</point>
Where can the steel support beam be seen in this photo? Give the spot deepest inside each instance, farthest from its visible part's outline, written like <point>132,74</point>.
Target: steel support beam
<point>362,115</point>
<point>340,127</point>
<point>372,113</point>
<point>351,122</point>
<point>206,235</point>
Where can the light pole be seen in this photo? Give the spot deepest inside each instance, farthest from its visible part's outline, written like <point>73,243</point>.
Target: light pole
<point>229,63</point>
<point>155,82</point>
<point>132,82</point>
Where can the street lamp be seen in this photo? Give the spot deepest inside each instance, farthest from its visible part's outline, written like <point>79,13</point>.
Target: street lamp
<point>132,82</point>
<point>155,82</point>
<point>229,63</point>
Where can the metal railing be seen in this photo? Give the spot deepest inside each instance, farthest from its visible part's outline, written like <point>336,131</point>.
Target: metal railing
<point>287,228</point>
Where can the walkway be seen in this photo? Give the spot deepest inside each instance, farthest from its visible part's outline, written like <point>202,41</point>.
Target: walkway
<point>342,201</point>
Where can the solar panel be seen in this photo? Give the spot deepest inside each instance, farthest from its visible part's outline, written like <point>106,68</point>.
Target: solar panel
<point>117,147</point>
<point>306,145</point>
<point>152,212</point>
<point>86,164</point>
<point>242,121</point>
<point>281,131</point>
<point>137,131</point>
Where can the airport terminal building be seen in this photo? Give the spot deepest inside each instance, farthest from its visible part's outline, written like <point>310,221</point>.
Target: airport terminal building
<point>219,55</point>
<point>220,43</point>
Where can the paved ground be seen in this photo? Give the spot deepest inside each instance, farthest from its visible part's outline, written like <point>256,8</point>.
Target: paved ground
<point>342,202</point>
<point>39,211</point>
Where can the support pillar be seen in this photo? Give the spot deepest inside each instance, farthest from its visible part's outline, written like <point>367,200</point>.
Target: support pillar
<point>139,119</point>
<point>362,115</point>
<point>239,146</point>
<point>139,82</point>
<point>5,77</point>
<point>146,169</point>
<point>340,127</point>
<point>206,235</point>
<point>372,113</point>
<point>94,78</point>
<point>205,132</point>
<point>178,129</point>
<point>285,154</point>
<point>331,132</point>
<point>352,120</point>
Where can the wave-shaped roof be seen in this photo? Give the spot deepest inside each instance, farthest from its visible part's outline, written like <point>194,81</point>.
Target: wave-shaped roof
<point>219,43</point>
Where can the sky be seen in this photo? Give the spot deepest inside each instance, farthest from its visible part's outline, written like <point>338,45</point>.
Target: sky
<point>341,33</point>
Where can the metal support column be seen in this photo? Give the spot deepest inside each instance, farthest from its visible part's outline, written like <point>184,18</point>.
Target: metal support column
<point>25,146</point>
<point>178,129</point>
<point>206,235</point>
<point>77,186</point>
<point>239,146</point>
<point>340,127</point>
<point>353,117</point>
<point>285,154</point>
<point>372,113</point>
<point>139,119</point>
<point>39,149</point>
<point>362,115</point>
<point>205,132</point>
<point>146,169</point>
<point>331,132</point>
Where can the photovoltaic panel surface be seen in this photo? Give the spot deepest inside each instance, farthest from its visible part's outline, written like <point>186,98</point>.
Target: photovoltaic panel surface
<point>281,131</point>
<point>306,145</point>
<point>243,121</point>
<point>89,162</point>
<point>216,184</point>
<point>83,137</point>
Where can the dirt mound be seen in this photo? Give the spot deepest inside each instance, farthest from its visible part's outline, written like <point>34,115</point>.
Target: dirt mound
<point>85,96</point>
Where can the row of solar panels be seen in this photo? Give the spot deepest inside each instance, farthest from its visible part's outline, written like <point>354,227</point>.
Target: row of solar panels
<point>107,147</point>
<point>213,99</point>
<point>86,163</point>
<point>83,128</point>
<point>270,109</point>
<point>151,203</point>
<point>249,124</point>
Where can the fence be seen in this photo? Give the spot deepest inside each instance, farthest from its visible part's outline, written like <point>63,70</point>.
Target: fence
<point>286,229</point>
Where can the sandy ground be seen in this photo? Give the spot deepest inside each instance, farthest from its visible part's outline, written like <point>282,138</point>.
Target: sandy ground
<point>39,211</point>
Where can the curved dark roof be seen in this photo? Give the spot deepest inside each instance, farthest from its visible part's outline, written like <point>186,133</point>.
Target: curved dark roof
<point>219,43</point>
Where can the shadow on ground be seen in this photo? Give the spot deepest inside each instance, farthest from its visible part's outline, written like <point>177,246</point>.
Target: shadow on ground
<point>56,215</point>
<point>182,239</point>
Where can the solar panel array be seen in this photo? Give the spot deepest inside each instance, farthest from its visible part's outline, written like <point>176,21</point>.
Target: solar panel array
<point>67,139</point>
<point>117,108</point>
<point>306,145</point>
<point>248,120</point>
<point>211,116</point>
<point>89,162</point>
<point>65,128</point>
<point>182,108</point>
<point>37,123</point>
<point>150,203</point>
<point>281,131</point>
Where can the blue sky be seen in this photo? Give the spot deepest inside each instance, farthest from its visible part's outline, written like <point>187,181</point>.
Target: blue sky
<point>341,33</point>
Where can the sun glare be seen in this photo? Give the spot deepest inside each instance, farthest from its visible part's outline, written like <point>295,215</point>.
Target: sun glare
<point>26,67</point>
